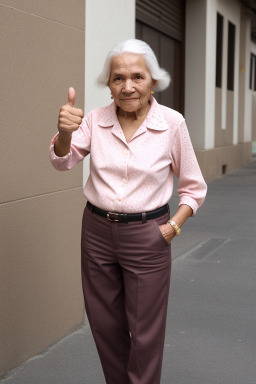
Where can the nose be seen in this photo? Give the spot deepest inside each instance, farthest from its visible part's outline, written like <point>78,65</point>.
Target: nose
<point>128,86</point>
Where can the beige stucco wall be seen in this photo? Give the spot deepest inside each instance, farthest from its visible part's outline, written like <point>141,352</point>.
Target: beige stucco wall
<point>217,161</point>
<point>42,54</point>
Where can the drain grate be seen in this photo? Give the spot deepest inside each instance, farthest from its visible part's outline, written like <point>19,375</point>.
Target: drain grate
<point>206,248</point>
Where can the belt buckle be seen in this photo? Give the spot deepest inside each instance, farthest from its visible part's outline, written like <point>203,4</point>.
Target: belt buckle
<point>115,218</point>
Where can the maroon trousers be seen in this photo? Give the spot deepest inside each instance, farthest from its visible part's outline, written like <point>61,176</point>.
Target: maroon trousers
<point>126,275</point>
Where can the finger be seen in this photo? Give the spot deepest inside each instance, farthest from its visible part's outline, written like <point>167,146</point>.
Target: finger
<point>71,96</point>
<point>68,127</point>
<point>75,119</point>
<point>74,111</point>
<point>70,119</point>
<point>78,112</point>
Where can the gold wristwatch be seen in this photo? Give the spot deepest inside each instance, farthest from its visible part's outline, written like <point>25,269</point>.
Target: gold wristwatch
<point>175,227</point>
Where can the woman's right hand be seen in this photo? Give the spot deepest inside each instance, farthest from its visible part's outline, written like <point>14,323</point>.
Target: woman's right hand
<point>69,121</point>
<point>70,117</point>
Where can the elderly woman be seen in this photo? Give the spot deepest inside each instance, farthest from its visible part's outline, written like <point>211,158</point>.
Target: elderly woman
<point>136,145</point>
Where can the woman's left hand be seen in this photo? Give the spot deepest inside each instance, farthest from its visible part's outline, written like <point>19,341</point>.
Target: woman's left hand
<point>168,232</point>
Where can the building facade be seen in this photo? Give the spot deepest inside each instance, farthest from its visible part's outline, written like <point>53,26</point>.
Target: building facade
<point>218,101</point>
<point>209,48</point>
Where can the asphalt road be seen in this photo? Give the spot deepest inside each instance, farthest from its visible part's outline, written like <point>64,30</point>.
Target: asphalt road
<point>211,325</point>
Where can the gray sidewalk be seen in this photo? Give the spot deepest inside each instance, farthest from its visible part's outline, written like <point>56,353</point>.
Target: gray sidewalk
<point>211,325</point>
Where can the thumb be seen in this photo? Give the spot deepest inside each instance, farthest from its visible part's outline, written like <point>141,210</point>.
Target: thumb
<point>71,96</point>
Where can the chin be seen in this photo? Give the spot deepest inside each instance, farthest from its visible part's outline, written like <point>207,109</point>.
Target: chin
<point>130,106</point>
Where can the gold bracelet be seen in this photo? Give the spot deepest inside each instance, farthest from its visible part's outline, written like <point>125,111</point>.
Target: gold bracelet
<point>174,226</point>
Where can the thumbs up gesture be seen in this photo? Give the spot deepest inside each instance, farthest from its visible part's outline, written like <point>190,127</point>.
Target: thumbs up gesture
<point>69,117</point>
<point>69,120</point>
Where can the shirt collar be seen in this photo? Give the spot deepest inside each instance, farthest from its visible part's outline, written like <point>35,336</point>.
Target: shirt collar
<point>155,119</point>
<point>109,117</point>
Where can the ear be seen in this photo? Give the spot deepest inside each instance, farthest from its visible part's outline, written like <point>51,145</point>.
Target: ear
<point>154,83</point>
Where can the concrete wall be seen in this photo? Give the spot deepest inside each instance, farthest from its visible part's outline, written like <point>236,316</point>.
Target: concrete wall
<point>42,54</point>
<point>115,23</point>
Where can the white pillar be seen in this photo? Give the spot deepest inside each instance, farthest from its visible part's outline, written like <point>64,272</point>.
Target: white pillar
<point>224,75</point>
<point>236,78</point>
<point>253,96</point>
<point>210,73</point>
<point>248,93</point>
<point>195,71</point>
<point>231,10</point>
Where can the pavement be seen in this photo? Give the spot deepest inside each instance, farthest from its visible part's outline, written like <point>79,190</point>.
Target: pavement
<point>211,324</point>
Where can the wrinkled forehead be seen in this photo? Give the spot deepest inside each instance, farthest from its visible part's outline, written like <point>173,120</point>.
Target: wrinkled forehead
<point>128,62</point>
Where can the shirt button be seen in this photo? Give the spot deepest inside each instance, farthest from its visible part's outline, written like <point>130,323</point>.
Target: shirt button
<point>125,181</point>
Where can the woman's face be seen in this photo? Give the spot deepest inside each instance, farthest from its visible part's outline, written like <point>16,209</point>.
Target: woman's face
<point>131,83</point>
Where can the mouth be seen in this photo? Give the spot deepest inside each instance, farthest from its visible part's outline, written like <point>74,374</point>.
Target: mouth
<point>131,99</point>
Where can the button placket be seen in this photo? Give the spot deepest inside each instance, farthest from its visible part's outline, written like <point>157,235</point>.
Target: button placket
<point>124,176</point>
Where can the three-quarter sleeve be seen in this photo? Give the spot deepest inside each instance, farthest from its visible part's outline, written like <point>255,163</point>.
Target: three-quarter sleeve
<point>191,185</point>
<point>80,147</point>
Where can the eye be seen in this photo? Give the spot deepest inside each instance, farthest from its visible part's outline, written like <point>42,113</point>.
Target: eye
<point>138,77</point>
<point>117,78</point>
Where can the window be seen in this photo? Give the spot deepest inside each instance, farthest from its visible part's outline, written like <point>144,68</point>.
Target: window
<point>231,55</point>
<point>252,84</point>
<point>219,45</point>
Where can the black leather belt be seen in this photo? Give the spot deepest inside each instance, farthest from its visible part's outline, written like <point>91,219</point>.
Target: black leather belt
<point>125,217</point>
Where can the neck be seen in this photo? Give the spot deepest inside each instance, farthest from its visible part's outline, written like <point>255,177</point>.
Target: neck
<point>135,115</point>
